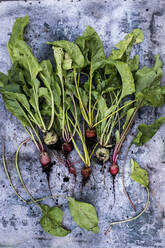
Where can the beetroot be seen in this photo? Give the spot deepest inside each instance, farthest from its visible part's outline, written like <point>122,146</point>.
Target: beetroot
<point>72,170</point>
<point>45,159</point>
<point>114,169</point>
<point>90,133</point>
<point>68,147</point>
<point>85,172</point>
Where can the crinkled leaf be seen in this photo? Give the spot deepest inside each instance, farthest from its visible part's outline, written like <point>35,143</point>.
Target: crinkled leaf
<point>17,34</point>
<point>92,48</point>
<point>84,214</point>
<point>128,116</point>
<point>153,96</point>
<point>72,50</point>
<point>146,132</point>
<point>23,55</point>
<point>124,46</point>
<point>51,221</point>
<point>138,174</point>
<point>15,74</point>
<point>134,63</point>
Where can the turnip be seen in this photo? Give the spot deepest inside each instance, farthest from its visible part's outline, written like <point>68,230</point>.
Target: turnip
<point>51,139</point>
<point>102,154</point>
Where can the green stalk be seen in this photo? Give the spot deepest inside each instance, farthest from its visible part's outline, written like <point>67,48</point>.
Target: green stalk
<point>32,137</point>
<point>83,111</point>
<point>131,219</point>
<point>38,110</point>
<point>74,143</point>
<point>86,160</point>
<point>52,101</point>
<point>113,113</point>
<point>7,174</point>
<point>19,173</point>
<point>90,98</point>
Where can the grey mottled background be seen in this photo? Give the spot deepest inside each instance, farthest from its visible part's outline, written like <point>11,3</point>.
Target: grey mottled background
<point>19,223</point>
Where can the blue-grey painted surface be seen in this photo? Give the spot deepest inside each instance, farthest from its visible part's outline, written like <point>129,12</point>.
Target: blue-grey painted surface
<point>19,223</point>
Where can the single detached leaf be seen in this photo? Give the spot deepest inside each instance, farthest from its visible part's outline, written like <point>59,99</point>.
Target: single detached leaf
<point>138,174</point>
<point>146,132</point>
<point>84,214</point>
<point>51,221</point>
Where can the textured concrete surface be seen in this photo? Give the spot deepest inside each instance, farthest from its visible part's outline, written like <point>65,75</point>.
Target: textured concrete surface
<point>19,223</point>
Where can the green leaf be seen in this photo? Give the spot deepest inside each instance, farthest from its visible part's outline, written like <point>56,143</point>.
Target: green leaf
<point>47,69</point>
<point>51,221</point>
<point>146,132</point>
<point>128,86</point>
<point>17,33</point>
<point>92,48</point>
<point>128,116</point>
<point>15,74</point>
<point>72,50</point>
<point>3,79</point>
<point>134,63</point>
<point>124,46</point>
<point>138,174</point>
<point>22,54</point>
<point>153,96</point>
<point>84,214</point>
<point>147,77</point>
<point>15,108</point>
<point>43,92</point>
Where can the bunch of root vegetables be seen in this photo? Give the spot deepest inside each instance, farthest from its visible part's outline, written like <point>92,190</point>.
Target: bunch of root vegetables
<point>86,96</point>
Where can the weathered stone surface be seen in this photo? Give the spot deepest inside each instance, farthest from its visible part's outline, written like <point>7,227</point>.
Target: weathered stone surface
<point>19,223</point>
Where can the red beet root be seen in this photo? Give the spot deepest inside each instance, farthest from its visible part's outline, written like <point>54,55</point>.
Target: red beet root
<point>45,159</point>
<point>114,169</point>
<point>68,147</point>
<point>90,133</point>
<point>85,172</point>
<point>72,170</point>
